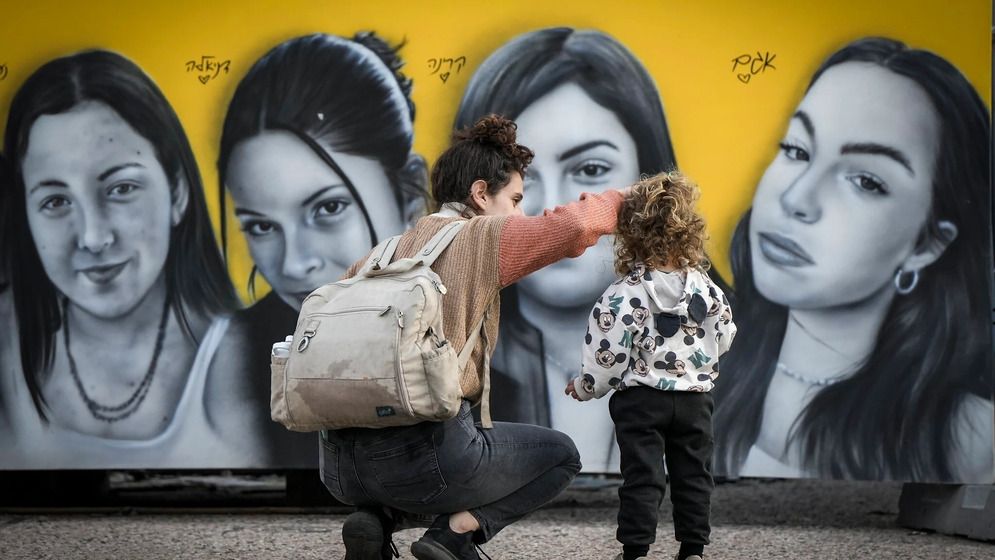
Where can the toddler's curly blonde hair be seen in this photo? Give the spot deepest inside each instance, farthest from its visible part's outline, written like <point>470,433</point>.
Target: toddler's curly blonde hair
<point>659,225</point>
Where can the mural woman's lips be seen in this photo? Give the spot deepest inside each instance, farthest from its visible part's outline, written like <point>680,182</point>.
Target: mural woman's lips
<point>782,251</point>
<point>103,274</point>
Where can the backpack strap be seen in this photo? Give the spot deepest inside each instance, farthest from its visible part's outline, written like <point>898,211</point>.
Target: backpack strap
<point>381,254</point>
<point>471,341</point>
<point>485,374</point>
<point>439,242</point>
<point>429,253</point>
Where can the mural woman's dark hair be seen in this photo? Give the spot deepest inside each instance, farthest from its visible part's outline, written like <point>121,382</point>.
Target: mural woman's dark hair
<point>4,209</point>
<point>533,64</point>
<point>346,95</point>
<point>894,418</point>
<point>195,272</point>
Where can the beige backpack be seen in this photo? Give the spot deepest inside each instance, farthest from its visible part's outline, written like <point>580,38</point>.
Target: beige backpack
<point>370,352</point>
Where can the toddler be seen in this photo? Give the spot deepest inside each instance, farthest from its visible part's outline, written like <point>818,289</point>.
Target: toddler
<point>655,337</point>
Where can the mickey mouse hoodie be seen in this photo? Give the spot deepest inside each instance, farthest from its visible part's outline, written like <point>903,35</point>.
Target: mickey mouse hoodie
<point>660,329</point>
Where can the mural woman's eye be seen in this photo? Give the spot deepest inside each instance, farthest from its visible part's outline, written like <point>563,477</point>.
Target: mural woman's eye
<point>868,183</point>
<point>258,229</point>
<point>591,169</point>
<point>55,204</point>
<point>330,208</point>
<point>122,189</point>
<point>793,152</point>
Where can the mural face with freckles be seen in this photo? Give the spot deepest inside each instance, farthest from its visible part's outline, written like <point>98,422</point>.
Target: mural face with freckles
<point>100,208</point>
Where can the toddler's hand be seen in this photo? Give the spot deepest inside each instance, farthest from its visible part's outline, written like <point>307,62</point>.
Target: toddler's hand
<point>571,390</point>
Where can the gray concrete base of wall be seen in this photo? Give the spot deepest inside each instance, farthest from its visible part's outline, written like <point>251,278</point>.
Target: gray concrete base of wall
<point>966,510</point>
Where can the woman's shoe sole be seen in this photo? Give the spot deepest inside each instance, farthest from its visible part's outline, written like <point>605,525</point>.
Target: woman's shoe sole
<point>425,549</point>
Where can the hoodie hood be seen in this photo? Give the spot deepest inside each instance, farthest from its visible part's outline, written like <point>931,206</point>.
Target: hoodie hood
<point>696,296</point>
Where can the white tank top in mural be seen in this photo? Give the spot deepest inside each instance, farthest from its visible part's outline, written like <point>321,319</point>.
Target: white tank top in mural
<point>188,441</point>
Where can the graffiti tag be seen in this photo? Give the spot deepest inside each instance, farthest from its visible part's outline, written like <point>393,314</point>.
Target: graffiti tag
<point>752,65</point>
<point>208,68</point>
<point>437,64</point>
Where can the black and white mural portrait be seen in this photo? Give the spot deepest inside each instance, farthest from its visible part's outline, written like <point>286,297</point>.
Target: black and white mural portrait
<point>316,152</point>
<point>120,297</point>
<point>592,114</point>
<point>862,275</point>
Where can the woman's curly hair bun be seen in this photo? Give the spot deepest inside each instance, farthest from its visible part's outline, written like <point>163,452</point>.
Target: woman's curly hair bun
<point>492,129</point>
<point>498,132</point>
<point>486,151</point>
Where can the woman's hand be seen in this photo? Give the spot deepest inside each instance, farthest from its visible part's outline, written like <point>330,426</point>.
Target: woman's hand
<point>571,390</point>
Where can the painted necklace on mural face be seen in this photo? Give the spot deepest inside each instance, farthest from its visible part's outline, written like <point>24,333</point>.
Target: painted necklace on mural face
<point>845,373</point>
<point>114,413</point>
<point>811,380</point>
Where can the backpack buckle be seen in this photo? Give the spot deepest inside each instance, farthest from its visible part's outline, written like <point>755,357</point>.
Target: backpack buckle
<point>302,345</point>
<point>309,332</point>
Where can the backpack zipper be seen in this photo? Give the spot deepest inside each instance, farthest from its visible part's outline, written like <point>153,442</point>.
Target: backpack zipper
<point>398,370</point>
<point>381,311</point>
<point>439,287</point>
<point>312,328</point>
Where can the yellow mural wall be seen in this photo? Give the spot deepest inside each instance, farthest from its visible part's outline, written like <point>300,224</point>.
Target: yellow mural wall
<point>725,120</point>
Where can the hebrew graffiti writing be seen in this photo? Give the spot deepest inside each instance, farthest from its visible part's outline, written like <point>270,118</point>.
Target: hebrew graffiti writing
<point>746,65</point>
<point>208,68</point>
<point>450,65</point>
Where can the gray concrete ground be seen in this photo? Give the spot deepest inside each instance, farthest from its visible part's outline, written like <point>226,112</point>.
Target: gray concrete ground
<point>752,519</point>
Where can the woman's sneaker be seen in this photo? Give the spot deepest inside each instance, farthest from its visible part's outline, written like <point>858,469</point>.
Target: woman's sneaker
<point>440,543</point>
<point>366,535</point>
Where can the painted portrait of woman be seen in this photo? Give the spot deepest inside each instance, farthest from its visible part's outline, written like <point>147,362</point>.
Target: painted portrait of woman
<point>316,154</point>
<point>120,295</point>
<point>593,116</point>
<point>862,282</point>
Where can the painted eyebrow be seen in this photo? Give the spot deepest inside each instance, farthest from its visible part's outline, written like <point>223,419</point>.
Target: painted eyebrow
<point>307,201</point>
<point>871,148</point>
<point>585,147</point>
<point>806,122</point>
<point>246,212</point>
<point>878,150</point>
<point>317,194</point>
<point>112,170</point>
<point>48,183</point>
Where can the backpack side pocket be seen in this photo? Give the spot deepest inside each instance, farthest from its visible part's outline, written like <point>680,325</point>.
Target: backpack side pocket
<point>278,390</point>
<point>441,366</point>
